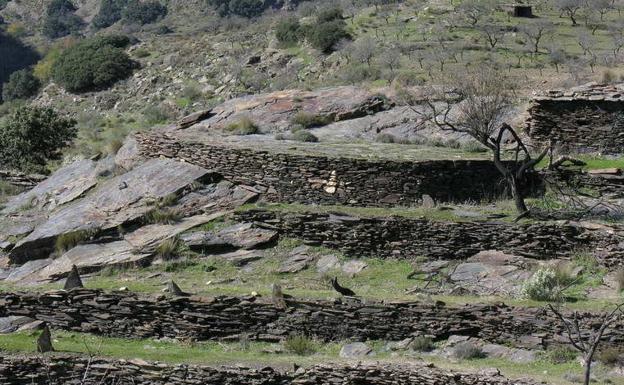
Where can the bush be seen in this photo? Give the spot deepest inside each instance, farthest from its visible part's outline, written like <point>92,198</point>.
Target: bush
<point>61,19</point>
<point>308,120</point>
<point>110,12</point>
<point>422,344</point>
<point>467,351</point>
<point>68,241</point>
<point>21,85</point>
<point>560,355</point>
<point>15,56</point>
<point>288,31</point>
<point>244,8</point>
<point>168,249</point>
<point>611,356</point>
<point>31,136</point>
<point>244,126</point>
<point>300,345</point>
<point>304,136</point>
<point>163,216</point>
<point>93,64</point>
<point>144,12</point>
<point>543,286</point>
<point>324,36</point>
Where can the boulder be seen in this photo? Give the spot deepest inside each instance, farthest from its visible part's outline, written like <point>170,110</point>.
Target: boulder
<point>356,350</point>
<point>246,236</point>
<point>109,205</point>
<point>299,259</point>
<point>327,263</point>
<point>353,267</point>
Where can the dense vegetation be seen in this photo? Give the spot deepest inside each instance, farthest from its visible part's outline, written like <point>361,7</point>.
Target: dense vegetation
<point>61,19</point>
<point>32,136</point>
<point>131,11</point>
<point>22,84</point>
<point>93,64</point>
<point>244,8</point>
<point>323,35</point>
<point>15,56</point>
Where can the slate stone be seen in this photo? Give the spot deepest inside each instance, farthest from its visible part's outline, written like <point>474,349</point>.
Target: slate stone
<point>327,263</point>
<point>44,342</point>
<point>355,350</point>
<point>354,267</point>
<point>246,236</point>
<point>11,324</point>
<point>298,260</point>
<point>107,206</point>
<point>73,280</point>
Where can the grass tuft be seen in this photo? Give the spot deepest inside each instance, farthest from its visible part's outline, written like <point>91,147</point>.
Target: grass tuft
<point>300,345</point>
<point>68,241</point>
<point>244,126</point>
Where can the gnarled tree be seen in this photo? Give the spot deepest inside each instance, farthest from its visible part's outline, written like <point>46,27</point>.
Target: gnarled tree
<point>476,103</point>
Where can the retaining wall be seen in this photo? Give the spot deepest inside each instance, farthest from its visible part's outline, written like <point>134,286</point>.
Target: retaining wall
<point>409,238</point>
<point>70,370</point>
<point>324,180</point>
<point>126,315</point>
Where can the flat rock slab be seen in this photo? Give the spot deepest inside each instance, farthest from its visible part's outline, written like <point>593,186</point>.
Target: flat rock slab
<point>246,236</point>
<point>327,263</point>
<point>354,267</point>
<point>116,201</point>
<point>242,257</point>
<point>298,260</point>
<point>356,350</point>
<point>12,324</point>
<point>65,185</point>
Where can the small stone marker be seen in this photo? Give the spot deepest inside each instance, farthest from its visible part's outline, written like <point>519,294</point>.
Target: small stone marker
<point>175,290</point>
<point>73,279</point>
<point>278,297</point>
<point>428,202</point>
<point>44,342</point>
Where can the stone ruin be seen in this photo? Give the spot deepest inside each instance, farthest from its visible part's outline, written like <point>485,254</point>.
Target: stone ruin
<point>586,118</point>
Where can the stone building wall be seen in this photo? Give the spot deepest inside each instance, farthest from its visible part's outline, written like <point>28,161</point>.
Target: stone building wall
<point>127,315</point>
<point>589,118</point>
<point>70,370</point>
<point>324,180</point>
<point>409,238</point>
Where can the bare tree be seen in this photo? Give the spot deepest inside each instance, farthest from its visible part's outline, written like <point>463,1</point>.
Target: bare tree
<point>616,33</point>
<point>479,101</point>
<point>557,56</point>
<point>586,42</point>
<point>601,6</point>
<point>570,8</point>
<point>391,58</point>
<point>587,341</point>
<point>492,34</point>
<point>474,10</point>
<point>364,50</point>
<point>536,32</point>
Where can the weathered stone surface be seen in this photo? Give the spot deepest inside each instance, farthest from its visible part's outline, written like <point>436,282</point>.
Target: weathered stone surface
<point>409,238</point>
<point>110,205</point>
<point>246,236</point>
<point>20,179</point>
<point>355,350</point>
<point>69,370</point>
<point>353,267</point>
<point>327,263</point>
<point>127,315</point>
<point>275,111</point>
<point>128,155</point>
<point>13,323</point>
<point>242,257</point>
<point>73,280</point>
<point>299,259</point>
<point>65,185</point>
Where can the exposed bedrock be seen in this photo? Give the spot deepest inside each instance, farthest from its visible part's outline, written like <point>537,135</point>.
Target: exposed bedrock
<point>410,238</point>
<point>127,315</point>
<point>70,370</point>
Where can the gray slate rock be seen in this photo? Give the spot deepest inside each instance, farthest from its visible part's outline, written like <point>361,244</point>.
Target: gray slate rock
<point>356,350</point>
<point>246,236</point>
<point>353,267</point>
<point>327,263</point>
<point>298,260</point>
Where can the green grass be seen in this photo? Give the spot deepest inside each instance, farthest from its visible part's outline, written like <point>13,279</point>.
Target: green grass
<point>593,162</point>
<point>247,352</point>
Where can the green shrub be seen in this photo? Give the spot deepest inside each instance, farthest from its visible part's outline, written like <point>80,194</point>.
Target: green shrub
<point>611,356</point>
<point>163,216</point>
<point>110,12</point>
<point>155,115</point>
<point>168,249</point>
<point>422,344</point>
<point>244,8</point>
<point>15,56</point>
<point>144,12</point>
<point>467,351</point>
<point>244,126</point>
<point>543,286</point>
<point>325,35</point>
<point>288,31</point>
<point>21,85</point>
<point>308,120</point>
<point>93,64</point>
<point>32,136</point>
<point>61,19</point>
<point>141,53</point>
<point>473,146</point>
<point>304,136</point>
<point>385,138</point>
<point>300,345</point>
<point>560,355</point>
<point>3,3</point>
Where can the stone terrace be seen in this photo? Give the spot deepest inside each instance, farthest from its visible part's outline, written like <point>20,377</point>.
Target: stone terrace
<point>126,315</point>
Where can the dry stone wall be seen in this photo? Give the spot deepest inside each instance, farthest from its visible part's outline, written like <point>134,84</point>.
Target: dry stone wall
<point>127,315</point>
<point>409,238</point>
<point>324,180</point>
<point>587,118</point>
<point>70,370</point>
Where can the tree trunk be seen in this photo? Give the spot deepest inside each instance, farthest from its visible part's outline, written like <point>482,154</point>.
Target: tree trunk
<point>517,193</point>
<point>587,371</point>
